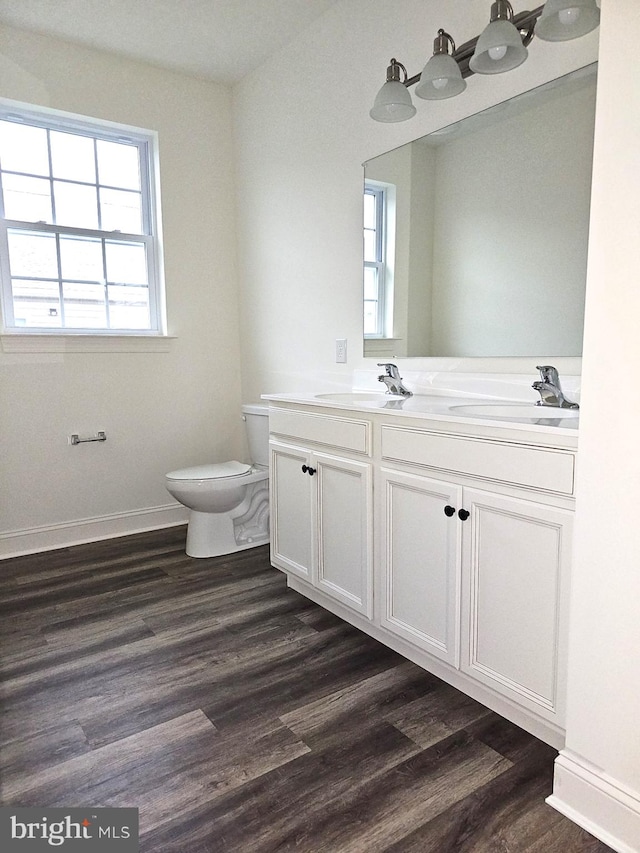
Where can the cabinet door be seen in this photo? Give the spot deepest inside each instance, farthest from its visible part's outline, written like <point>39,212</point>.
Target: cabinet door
<point>345,530</point>
<point>420,556</point>
<point>516,556</point>
<point>291,510</point>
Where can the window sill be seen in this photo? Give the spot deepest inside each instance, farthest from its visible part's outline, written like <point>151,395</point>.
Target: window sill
<point>69,343</point>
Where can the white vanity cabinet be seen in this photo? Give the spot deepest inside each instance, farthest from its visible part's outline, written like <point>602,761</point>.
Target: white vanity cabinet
<point>449,542</point>
<point>474,559</point>
<point>321,505</point>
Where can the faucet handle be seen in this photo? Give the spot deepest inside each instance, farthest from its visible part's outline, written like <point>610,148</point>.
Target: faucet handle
<point>548,373</point>
<point>390,369</point>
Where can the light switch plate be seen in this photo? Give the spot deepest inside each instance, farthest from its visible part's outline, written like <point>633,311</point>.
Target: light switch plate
<point>341,351</point>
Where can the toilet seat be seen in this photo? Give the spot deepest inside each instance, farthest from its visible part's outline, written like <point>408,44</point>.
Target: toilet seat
<point>214,471</point>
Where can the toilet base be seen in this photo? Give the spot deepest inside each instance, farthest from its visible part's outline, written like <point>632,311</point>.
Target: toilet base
<point>213,534</point>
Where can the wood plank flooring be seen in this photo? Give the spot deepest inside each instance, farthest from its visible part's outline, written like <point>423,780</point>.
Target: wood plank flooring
<point>238,717</point>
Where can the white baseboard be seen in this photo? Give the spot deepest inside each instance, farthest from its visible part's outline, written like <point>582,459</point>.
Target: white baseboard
<point>32,540</point>
<point>605,808</point>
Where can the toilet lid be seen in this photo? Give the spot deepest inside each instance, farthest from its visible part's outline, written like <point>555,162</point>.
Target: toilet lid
<point>216,471</point>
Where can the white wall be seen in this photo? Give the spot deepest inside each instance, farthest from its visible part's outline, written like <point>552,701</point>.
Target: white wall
<point>303,132</point>
<point>160,410</point>
<point>598,775</point>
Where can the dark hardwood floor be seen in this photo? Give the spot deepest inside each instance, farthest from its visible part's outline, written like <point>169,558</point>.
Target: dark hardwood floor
<point>238,716</point>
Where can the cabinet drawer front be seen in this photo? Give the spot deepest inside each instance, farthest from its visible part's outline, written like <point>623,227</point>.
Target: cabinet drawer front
<point>532,467</point>
<point>345,433</point>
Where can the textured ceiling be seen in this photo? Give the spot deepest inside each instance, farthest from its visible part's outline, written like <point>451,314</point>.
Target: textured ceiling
<point>222,40</point>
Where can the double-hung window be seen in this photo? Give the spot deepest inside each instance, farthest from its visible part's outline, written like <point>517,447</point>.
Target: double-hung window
<point>79,241</point>
<point>374,261</point>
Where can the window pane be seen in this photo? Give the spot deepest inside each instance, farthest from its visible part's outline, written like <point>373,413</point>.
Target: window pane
<point>370,318</point>
<point>75,205</point>
<point>126,263</point>
<point>121,211</point>
<point>27,199</point>
<point>128,307</point>
<point>81,258</point>
<point>33,255</point>
<point>84,306</point>
<point>23,148</point>
<point>36,303</point>
<point>369,211</point>
<point>118,165</point>
<point>72,157</point>
<point>371,283</point>
<point>370,253</point>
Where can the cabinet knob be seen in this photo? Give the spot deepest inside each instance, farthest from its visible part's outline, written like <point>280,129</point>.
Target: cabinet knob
<point>449,511</point>
<point>304,469</point>
<point>463,514</point>
<point>311,471</point>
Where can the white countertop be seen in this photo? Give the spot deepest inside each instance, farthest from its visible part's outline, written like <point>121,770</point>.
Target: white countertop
<point>437,407</point>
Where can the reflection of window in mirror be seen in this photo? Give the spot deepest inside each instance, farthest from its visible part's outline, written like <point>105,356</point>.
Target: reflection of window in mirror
<point>379,239</point>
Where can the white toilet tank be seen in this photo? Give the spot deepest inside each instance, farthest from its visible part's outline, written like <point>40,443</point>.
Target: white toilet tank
<point>257,420</point>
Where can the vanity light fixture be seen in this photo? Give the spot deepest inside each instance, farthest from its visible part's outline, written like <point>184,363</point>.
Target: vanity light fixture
<point>562,20</point>
<point>441,77</point>
<point>501,47</point>
<point>393,101</point>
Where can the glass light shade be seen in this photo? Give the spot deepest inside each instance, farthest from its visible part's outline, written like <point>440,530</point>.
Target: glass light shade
<point>495,37</point>
<point>441,78</point>
<point>392,103</point>
<point>562,20</point>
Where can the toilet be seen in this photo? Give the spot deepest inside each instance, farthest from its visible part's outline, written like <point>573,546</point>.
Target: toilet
<point>228,501</point>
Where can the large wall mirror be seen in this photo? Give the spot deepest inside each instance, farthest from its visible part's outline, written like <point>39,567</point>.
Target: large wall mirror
<point>476,235</point>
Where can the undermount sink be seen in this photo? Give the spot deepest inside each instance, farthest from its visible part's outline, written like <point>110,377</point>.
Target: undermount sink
<point>359,397</point>
<point>518,411</point>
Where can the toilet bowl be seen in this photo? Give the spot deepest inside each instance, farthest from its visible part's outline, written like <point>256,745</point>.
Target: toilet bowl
<point>228,502</point>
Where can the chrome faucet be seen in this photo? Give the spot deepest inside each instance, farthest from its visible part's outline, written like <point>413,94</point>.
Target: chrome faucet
<point>392,379</point>
<point>549,389</point>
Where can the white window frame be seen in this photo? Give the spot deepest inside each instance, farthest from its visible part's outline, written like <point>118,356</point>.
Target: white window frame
<point>147,143</point>
<point>385,252</point>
